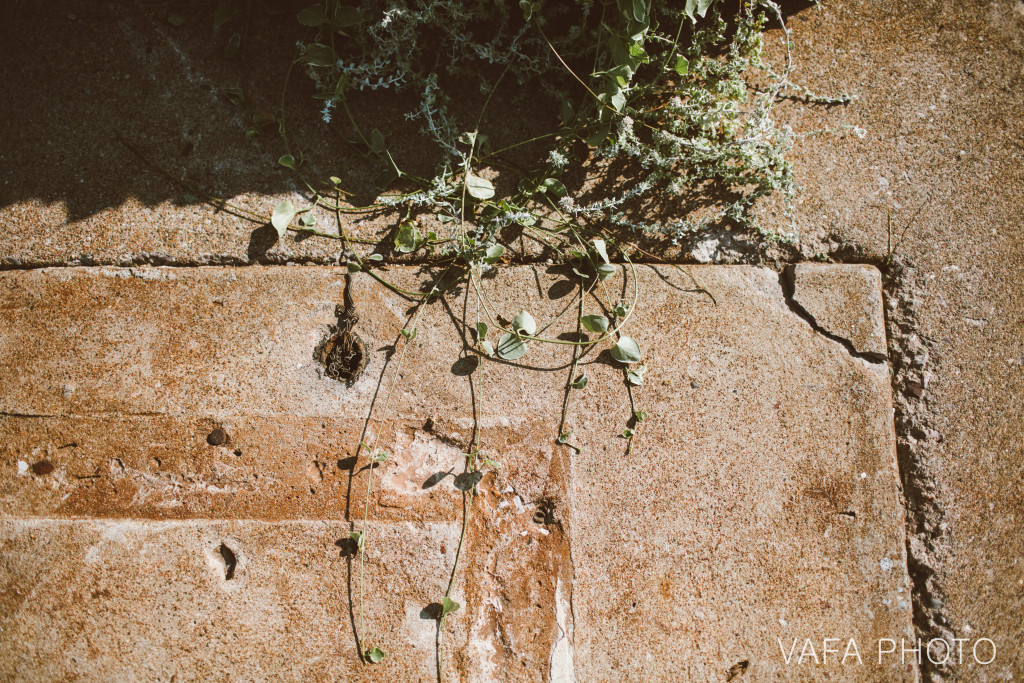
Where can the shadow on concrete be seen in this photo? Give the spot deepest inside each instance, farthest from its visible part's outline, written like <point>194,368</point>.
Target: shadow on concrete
<point>82,77</point>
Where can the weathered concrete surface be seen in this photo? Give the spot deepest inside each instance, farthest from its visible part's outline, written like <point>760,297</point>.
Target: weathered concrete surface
<point>128,600</point>
<point>941,90</point>
<point>845,301</point>
<point>760,501</point>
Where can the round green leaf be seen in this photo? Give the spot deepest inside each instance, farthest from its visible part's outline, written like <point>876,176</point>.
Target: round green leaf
<point>605,271</point>
<point>494,253</point>
<point>408,238</point>
<point>377,142</point>
<point>601,249</point>
<point>319,55</point>
<point>595,323</point>
<point>636,375</point>
<point>283,215</point>
<point>288,161</point>
<point>448,605</point>
<point>479,188</point>
<point>313,16</point>
<point>554,186</point>
<point>347,16</point>
<point>626,351</point>
<point>375,655</point>
<point>511,347</point>
<point>524,323</point>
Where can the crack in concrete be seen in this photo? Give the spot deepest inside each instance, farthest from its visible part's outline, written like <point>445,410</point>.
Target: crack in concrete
<point>786,281</point>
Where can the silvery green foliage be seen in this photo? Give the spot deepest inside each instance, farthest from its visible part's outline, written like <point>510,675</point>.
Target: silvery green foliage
<point>671,92</point>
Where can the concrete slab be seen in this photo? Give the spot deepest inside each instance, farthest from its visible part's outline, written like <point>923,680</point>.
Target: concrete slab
<point>121,600</point>
<point>758,506</point>
<point>845,301</point>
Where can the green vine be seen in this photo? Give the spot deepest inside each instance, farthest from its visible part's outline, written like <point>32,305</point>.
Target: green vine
<point>678,98</point>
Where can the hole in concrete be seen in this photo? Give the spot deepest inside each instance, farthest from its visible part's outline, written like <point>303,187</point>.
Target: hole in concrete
<point>849,513</point>
<point>342,354</point>
<point>737,670</point>
<point>42,467</point>
<point>545,513</point>
<point>230,561</point>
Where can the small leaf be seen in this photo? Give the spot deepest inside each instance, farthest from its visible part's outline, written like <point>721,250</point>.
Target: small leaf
<point>618,101</point>
<point>626,351</point>
<point>225,12</point>
<point>288,161</point>
<point>524,323</point>
<point>409,333</point>
<point>335,180</point>
<point>263,119</point>
<point>408,238</point>
<point>374,655</point>
<point>381,457</point>
<point>354,267</point>
<point>487,348</point>
<point>581,382</point>
<point>313,16</point>
<point>448,606</point>
<point>595,323</point>
<point>605,271</point>
<point>377,142</point>
<point>319,55</point>
<point>511,347</point>
<point>283,215</point>
<point>479,188</point>
<point>627,434</point>
<point>640,415</point>
<point>564,437</point>
<point>636,375</point>
<point>554,186</point>
<point>682,66</point>
<point>357,536</point>
<point>467,480</point>
<point>597,138</point>
<point>347,16</point>
<point>620,309</point>
<point>234,42</point>
<point>481,331</point>
<point>494,253</point>
<point>377,258</point>
<point>307,219</point>
<point>602,251</point>
<point>236,95</point>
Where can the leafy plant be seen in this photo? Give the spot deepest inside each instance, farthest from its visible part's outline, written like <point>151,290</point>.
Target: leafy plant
<point>679,96</point>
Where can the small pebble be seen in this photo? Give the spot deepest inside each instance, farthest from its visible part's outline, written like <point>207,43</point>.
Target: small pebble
<point>693,384</point>
<point>217,437</point>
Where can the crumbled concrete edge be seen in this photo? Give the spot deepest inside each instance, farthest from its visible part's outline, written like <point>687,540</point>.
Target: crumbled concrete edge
<point>916,438</point>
